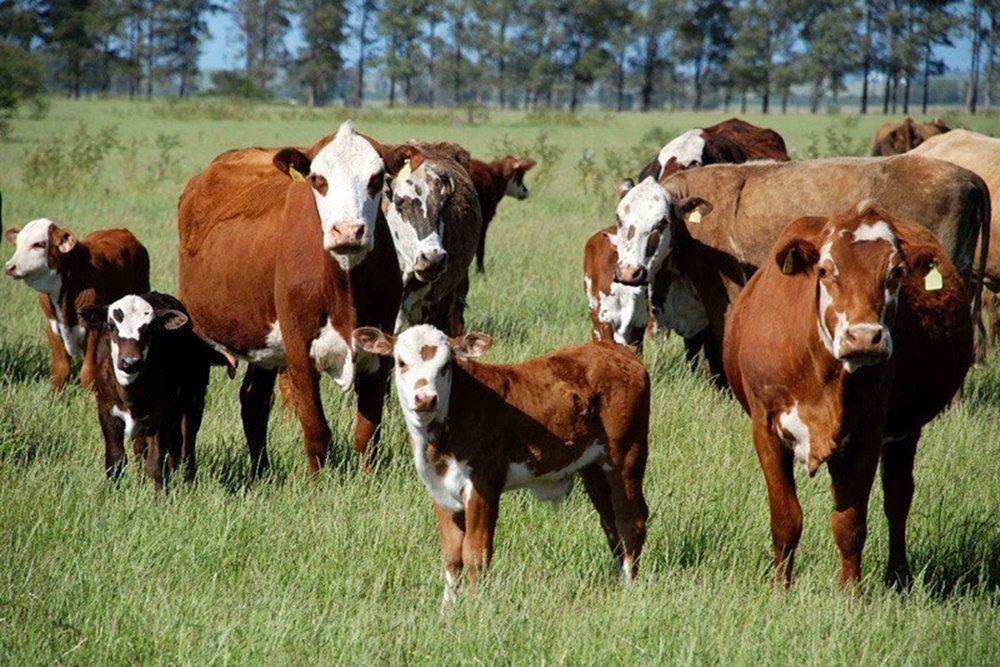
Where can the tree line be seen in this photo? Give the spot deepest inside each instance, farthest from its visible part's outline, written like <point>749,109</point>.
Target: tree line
<point>621,54</point>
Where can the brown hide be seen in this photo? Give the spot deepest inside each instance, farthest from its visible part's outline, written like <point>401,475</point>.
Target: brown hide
<point>775,360</point>
<point>490,181</point>
<point>753,203</point>
<point>599,259</point>
<point>898,138</point>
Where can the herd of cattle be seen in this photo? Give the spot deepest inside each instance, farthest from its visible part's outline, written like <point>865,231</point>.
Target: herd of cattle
<point>839,299</point>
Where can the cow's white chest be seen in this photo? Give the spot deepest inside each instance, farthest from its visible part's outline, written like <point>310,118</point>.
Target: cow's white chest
<point>127,418</point>
<point>449,484</point>
<point>73,338</point>
<point>553,485</point>
<point>411,308</point>
<point>795,433</point>
<point>625,310</point>
<point>333,355</point>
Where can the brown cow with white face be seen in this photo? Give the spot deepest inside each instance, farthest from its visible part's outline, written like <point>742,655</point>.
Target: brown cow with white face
<point>478,430</point>
<point>848,340</point>
<point>69,274</point>
<point>278,272</point>
<point>493,180</point>
<point>898,138</point>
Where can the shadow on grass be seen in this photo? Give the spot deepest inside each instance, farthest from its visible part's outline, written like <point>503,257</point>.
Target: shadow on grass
<point>964,560</point>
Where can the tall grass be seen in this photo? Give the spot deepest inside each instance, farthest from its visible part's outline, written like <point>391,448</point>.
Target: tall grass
<point>346,570</point>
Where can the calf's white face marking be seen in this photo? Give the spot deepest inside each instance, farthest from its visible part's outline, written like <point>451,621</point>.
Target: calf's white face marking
<point>414,213</point>
<point>349,165</point>
<point>30,261</point>
<point>129,318</point>
<point>643,238</point>
<point>686,148</point>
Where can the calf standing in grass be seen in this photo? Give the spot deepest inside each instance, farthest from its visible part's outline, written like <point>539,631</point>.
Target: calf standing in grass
<point>478,430</point>
<point>494,180</point>
<point>152,374</point>
<point>70,274</point>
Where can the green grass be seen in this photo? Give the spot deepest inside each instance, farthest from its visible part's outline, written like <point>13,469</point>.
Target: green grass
<point>346,570</point>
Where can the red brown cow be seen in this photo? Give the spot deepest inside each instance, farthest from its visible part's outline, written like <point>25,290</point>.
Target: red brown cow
<point>279,272</point>
<point>898,138</point>
<point>732,141</point>
<point>494,180</point>
<point>70,274</point>
<point>478,430</point>
<point>870,340</point>
<point>152,375</point>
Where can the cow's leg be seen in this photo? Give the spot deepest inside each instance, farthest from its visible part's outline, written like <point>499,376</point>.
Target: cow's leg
<point>371,390</point>
<point>255,406</point>
<point>481,249</point>
<point>88,371</point>
<point>287,393</point>
<point>897,488</point>
<point>60,365</point>
<point>631,511</point>
<point>852,478</point>
<point>451,529</point>
<point>113,430</point>
<point>481,512</point>
<point>155,459</point>
<point>786,514</point>
<point>599,490</point>
<point>309,408</point>
<point>692,346</point>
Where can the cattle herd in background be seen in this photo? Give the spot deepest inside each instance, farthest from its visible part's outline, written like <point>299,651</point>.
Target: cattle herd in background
<point>838,298</point>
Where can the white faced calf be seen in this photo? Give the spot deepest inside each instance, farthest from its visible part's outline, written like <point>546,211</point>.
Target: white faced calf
<point>478,430</point>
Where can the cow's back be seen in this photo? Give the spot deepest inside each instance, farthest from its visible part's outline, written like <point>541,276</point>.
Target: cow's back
<point>121,261</point>
<point>758,143</point>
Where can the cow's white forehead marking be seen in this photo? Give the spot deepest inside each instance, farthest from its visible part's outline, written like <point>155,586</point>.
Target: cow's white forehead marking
<point>687,148</point>
<point>639,212</point>
<point>879,231</point>
<point>129,314</point>
<point>34,232</point>
<point>412,342</point>
<point>31,263</point>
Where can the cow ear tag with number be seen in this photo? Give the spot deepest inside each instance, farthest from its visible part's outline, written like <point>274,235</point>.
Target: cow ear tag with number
<point>404,172</point>
<point>933,280</point>
<point>695,217</point>
<point>295,174</point>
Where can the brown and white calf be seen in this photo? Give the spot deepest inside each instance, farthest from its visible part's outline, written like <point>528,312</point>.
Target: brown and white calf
<point>478,430</point>
<point>618,270</point>
<point>493,180</point>
<point>69,274</point>
<point>848,340</point>
<point>432,209</point>
<point>152,375</point>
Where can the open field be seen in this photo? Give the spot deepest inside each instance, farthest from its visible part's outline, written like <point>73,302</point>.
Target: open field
<point>346,570</point>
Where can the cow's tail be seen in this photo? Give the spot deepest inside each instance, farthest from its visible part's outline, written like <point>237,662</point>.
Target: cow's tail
<point>978,279</point>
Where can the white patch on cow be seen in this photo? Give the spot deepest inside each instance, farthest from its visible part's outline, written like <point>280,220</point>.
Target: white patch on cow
<point>687,148</point>
<point>515,189</point>
<point>136,313</point>
<point>450,588</point>
<point>348,164</point>
<point>412,305</point>
<point>624,310</point>
<point>626,569</point>
<point>30,261</point>
<point>879,231</point>
<point>431,374</point>
<point>417,186</point>
<point>449,489</point>
<point>54,326</point>
<point>683,310</point>
<point>127,419</point>
<point>795,433</point>
<point>272,355</point>
<point>333,356</point>
<point>588,287</point>
<point>554,485</point>
<point>643,210</point>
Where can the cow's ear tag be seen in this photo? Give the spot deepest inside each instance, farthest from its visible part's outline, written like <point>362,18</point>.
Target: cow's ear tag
<point>404,172</point>
<point>933,280</point>
<point>789,265</point>
<point>694,217</point>
<point>295,174</point>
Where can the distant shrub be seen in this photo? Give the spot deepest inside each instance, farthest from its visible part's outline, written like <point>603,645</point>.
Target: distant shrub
<point>600,178</point>
<point>547,154</point>
<point>839,139</point>
<point>73,160</point>
<point>228,83</point>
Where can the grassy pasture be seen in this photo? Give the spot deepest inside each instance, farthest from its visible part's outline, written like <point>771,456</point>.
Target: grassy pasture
<point>346,570</point>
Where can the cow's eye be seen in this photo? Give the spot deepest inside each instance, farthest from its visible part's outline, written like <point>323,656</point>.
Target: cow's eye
<point>375,183</point>
<point>401,365</point>
<point>40,245</point>
<point>822,273</point>
<point>897,273</point>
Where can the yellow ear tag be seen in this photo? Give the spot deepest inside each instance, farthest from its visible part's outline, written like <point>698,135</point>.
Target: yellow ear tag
<point>404,172</point>
<point>789,265</point>
<point>933,281</point>
<point>695,217</point>
<point>295,174</point>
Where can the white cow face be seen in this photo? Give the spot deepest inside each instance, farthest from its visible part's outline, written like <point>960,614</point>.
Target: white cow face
<point>682,152</point>
<point>513,171</point>
<point>644,237</point>
<point>346,180</point>
<point>424,358</point>
<point>36,257</point>
<point>131,323</point>
<point>416,196</point>
<point>858,271</point>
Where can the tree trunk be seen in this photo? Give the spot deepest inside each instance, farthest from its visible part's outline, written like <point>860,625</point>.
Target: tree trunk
<point>927,78</point>
<point>972,93</point>
<point>868,59</point>
<point>885,94</point>
<point>392,92</point>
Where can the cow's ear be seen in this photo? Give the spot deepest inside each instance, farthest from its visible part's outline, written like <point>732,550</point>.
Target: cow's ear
<point>374,340</point>
<point>921,258</point>
<point>11,234</point>
<point>693,209</point>
<point>612,238</point>
<point>471,345</point>
<point>402,158</point>
<point>293,163</point>
<point>93,314</point>
<point>63,239</point>
<point>525,165</point>
<point>171,319</point>
<point>625,185</point>
<point>796,256</point>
